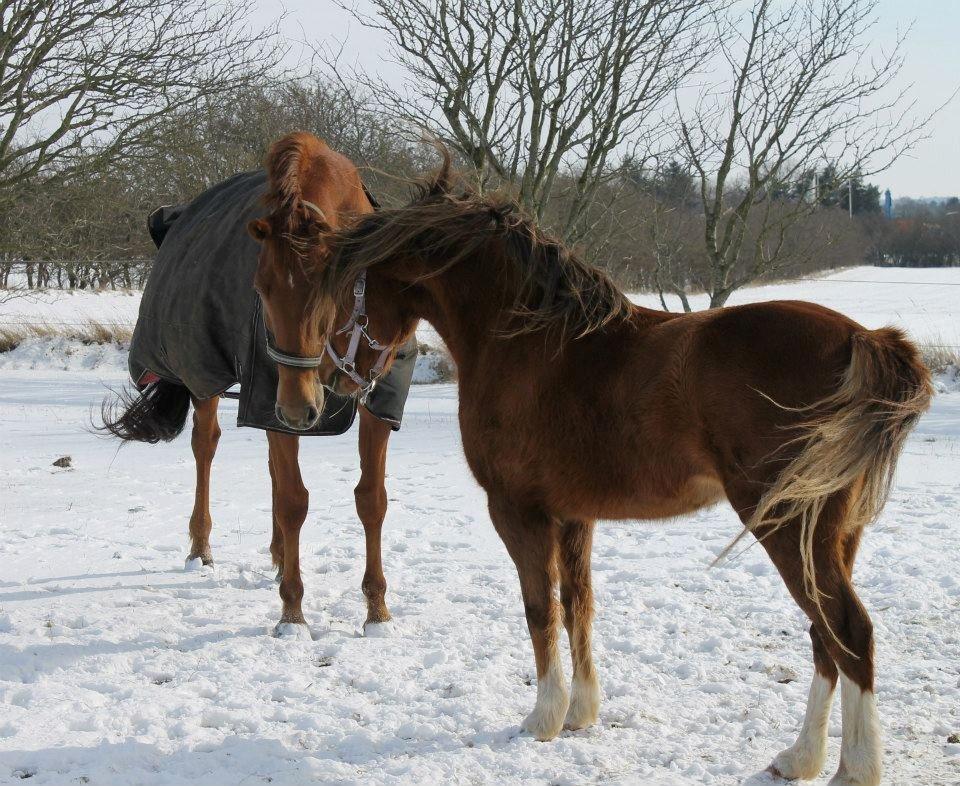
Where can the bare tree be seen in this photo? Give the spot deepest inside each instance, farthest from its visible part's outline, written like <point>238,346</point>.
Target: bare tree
<point>90,77</point>
<point>804,89</point>
<point>530,90</point>
<point>86,228</point>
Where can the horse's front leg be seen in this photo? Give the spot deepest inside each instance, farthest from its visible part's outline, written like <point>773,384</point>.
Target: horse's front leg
<point>576,594</point>
<point>531,538</point>
<point>371,498</point>
<point>290,502</point>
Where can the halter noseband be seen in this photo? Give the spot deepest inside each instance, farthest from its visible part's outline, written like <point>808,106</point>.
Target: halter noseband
<point>356,326</point>
<point>294,361</point>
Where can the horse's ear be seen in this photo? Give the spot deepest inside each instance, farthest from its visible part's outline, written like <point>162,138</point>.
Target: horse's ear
<point>313,221</point>
<point>259,229</point>
<point>441,181</point>
<point>445,176</point>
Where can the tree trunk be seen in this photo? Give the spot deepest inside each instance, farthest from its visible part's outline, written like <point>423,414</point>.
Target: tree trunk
<point>718,298</point>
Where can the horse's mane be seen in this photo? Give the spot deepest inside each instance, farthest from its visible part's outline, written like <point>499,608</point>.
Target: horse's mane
<point>444,227</point>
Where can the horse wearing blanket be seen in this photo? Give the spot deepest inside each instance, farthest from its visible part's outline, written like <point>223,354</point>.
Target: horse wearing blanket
<point>202,329</point>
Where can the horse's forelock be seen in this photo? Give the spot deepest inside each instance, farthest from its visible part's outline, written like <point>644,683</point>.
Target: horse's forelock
<point>290,162</point>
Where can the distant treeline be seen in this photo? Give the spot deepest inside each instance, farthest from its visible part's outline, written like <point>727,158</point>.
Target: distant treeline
<point>922,234</point>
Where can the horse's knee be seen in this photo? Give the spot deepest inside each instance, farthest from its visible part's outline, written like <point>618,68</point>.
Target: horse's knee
<point>206,431</point>
<point>371,504</point>
<point>292,507</point>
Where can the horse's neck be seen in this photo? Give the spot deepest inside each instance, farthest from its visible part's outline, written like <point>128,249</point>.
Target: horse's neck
<point>467,306</point>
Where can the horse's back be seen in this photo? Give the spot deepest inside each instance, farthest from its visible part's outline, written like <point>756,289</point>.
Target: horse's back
<point>195,324</point>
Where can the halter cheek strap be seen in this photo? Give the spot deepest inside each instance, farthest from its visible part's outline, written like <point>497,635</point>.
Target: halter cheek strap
<point>356,326</point>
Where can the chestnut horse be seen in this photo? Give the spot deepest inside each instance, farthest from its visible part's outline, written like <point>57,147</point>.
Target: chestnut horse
<point>328,185</point>
<point>576,405</point>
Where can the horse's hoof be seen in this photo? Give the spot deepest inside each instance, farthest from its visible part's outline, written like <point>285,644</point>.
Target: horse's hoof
<point>377,630</point>
<point>298,631</point>
<point>868,778</point>
<point>198,561</point>
<point>791,765</point>
<point>546,720</point>
<point>544,725</point>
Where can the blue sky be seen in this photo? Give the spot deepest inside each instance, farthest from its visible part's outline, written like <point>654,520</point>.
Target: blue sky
<point>932,67</point>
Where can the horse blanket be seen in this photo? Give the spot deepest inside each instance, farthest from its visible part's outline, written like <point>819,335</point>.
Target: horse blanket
<point>201,324</point>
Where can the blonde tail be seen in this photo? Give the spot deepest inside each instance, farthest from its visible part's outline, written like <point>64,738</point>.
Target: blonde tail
<point>850,443</point>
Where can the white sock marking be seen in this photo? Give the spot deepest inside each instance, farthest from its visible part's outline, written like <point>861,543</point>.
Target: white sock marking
<point>584,703</point>
<point>861,752</point>
<point>804,759</point>
<point>546,720</point>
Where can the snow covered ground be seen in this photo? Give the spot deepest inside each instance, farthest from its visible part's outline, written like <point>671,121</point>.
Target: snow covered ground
<point>117,667</point>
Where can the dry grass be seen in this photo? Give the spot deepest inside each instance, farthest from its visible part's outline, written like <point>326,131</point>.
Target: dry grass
<point>445,368</point>
<point>90,332</point>
<point>940,355</point>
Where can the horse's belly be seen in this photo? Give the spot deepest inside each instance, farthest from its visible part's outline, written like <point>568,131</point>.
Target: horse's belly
<point>698,491</point>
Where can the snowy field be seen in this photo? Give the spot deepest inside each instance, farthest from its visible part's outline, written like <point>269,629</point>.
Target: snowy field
<point>117,667</point>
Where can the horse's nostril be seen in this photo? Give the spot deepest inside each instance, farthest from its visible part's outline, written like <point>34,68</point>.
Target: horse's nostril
<point>279,414</point>
<point>313,414</point>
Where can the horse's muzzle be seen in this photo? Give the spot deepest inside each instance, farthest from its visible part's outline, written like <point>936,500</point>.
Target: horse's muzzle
<point>298,418</point>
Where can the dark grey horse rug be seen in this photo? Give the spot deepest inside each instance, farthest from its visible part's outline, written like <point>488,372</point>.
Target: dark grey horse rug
<point>200,323</point>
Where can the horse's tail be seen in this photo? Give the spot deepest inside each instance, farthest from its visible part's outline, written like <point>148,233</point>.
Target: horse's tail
<point>849,443</point>
<point>157,413</point>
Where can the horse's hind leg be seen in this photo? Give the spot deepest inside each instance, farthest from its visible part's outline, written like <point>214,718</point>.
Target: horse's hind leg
<point>843,633</point>
<point>206,435</point>
<point>290,510</point>
<point>576,594</point>
<point>531,539</point>
<point>861,750</point>
<point>805,758</point>
<point>371,499</point>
